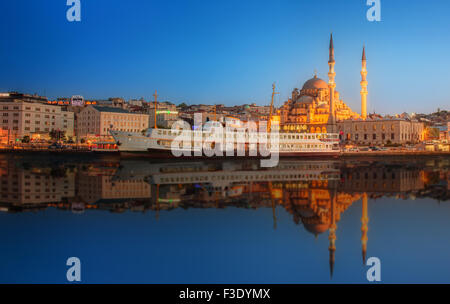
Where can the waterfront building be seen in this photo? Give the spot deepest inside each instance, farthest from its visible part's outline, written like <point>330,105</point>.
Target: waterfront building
<point>381,131</point>
<point>97,121</point>
<point>19,118</point>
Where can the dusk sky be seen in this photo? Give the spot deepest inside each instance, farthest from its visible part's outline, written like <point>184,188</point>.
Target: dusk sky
<point>227,51</point>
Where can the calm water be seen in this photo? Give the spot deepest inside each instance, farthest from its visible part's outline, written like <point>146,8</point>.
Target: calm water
<point>137,221</point>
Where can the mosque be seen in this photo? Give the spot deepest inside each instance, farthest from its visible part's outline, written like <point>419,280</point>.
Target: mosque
<point>317,106</point>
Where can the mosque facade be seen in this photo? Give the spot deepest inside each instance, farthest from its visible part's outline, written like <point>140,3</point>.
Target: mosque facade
<point>317,106</point>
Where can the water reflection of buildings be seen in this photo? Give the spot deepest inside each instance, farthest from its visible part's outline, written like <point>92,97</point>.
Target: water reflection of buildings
<point>31,186</point>
<point>101,189</point>
<point>315,193</point>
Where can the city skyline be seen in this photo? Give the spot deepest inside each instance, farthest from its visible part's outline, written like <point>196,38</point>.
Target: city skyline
<point>227,53</point>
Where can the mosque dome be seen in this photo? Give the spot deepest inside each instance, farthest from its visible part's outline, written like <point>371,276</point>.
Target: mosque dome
<point>315,84</point>
<point>317,228</point>
<point>305,99</point>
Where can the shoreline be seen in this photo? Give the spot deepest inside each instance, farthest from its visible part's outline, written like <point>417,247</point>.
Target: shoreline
<point>115,152</point>
<point>392,153</point>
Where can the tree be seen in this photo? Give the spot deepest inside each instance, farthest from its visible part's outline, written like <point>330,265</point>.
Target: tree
<point>26,139</point>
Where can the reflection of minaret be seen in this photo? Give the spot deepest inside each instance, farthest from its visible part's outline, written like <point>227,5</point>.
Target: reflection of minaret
<point>364,85</point>
<point>332,231</point>
<point>364,226</point>
<point>332,86</point>
<point>273,206</point>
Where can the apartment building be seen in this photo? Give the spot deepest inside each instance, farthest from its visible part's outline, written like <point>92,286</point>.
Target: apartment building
<point>19,118</point>
<point>98,121</point>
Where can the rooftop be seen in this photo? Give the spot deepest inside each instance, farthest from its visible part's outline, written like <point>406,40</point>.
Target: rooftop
<point>112,110</point>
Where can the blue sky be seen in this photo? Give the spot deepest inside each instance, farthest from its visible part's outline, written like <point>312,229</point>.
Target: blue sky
<point>199,51</point>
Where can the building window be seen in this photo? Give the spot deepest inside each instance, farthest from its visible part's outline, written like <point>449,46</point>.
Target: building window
<point>392,136</point>
<point>374,136</point>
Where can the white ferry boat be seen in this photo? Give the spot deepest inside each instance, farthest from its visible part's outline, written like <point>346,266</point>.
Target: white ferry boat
<point>158,143</point>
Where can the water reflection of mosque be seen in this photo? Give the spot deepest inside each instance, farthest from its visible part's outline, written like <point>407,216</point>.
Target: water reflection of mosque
<point>316,193</point>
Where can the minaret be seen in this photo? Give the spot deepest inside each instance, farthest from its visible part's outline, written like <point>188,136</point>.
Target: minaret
<point>332,86</point>
<point>364,226</point>
<point>364,85</point>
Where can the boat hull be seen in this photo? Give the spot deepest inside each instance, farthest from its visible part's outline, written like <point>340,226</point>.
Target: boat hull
<point>167,154</point>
